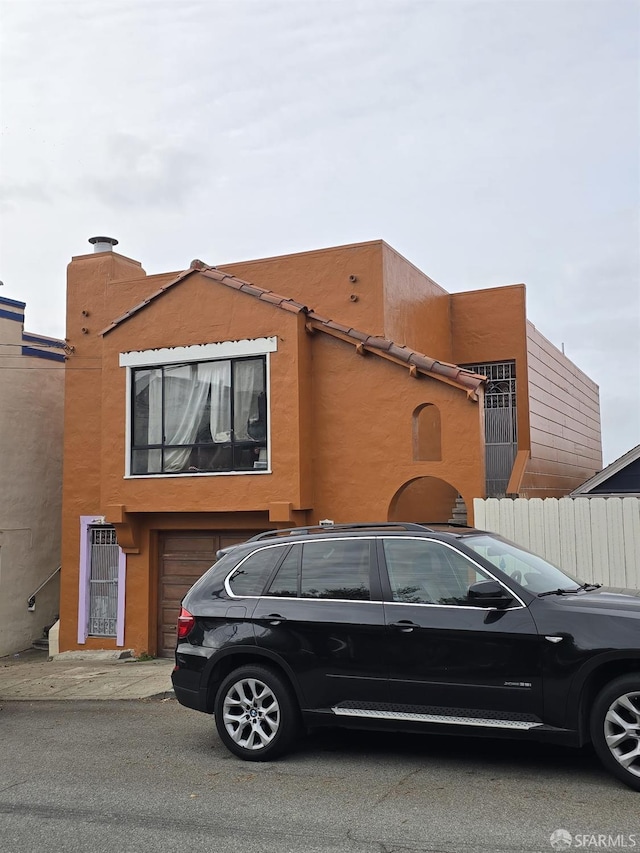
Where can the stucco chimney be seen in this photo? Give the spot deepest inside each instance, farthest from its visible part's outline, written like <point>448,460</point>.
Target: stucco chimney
<point>103,244</point>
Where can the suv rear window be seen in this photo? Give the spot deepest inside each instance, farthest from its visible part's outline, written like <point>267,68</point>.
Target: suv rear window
<point>251,576</point>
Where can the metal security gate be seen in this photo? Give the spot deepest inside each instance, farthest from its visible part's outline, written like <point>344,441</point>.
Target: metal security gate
<point>500,423</point>
<point>103,582</point>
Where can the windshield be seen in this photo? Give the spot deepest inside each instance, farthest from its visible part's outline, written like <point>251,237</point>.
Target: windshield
<point>530,571</point>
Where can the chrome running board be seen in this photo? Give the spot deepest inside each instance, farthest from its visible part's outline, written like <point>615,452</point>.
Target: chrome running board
<point>435,718</point>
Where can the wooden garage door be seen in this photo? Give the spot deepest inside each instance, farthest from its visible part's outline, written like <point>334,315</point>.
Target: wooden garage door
<point>183,558</point>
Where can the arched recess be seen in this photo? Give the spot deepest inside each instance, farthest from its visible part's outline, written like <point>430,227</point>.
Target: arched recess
<point>423,499</point>
<point>427,443</point>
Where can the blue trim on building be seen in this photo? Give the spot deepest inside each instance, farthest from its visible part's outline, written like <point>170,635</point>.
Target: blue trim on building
<point>47,342</point>
<point>14,302</point>
<point>39,353</point>
<point>9,315</point>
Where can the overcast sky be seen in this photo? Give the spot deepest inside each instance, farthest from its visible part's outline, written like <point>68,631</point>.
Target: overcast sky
<point>489,142</point>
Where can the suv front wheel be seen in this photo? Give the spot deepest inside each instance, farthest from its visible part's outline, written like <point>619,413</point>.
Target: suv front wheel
<point>256,714</point>
<point>615,728</point>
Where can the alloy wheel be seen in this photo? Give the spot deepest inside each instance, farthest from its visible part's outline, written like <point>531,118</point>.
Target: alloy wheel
<point>622,731</point>
<point>251,714</point>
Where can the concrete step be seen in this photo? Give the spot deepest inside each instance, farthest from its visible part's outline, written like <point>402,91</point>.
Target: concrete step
<point>43,641</point>
<point>459,512</point>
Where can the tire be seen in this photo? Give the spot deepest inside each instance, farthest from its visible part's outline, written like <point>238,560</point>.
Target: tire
<point>615,728</point>
<point>256,714</point>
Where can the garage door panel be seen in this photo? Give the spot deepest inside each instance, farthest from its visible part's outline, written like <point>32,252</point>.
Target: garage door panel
<point>168,640</point>
<point>182,559</point>
<point>177,544</point>
<point>179,570</point>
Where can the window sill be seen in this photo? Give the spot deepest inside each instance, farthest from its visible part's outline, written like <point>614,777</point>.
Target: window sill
<point>256,472</point>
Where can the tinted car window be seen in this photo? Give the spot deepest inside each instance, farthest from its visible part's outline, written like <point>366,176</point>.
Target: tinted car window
<point>285,582</point>
<point>336,569</point>
<point>253,573</point>
<point>427,572</point>
<point>330,569</point>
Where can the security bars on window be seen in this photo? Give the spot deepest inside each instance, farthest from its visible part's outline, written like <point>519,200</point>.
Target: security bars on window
<point>500,423</point>
<point>103,582</point>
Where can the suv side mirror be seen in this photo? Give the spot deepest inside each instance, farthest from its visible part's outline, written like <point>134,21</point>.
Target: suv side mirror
<point>488,594</point>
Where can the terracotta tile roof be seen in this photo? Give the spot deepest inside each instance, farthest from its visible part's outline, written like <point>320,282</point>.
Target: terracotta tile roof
<point>416,361</point>
<point>121,319</point>
<point>382,346</point>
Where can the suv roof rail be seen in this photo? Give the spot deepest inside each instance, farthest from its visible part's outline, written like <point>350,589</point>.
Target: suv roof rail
<point>329,528</point>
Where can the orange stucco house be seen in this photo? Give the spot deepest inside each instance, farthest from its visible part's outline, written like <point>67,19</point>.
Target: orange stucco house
<point>206,405</point>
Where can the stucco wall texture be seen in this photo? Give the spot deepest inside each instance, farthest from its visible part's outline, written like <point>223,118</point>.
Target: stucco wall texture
<point>31,419</point>
<point>343,424</point>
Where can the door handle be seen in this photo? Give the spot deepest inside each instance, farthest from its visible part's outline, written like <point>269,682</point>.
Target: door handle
<point>404,625</point>
<point>273,618</point>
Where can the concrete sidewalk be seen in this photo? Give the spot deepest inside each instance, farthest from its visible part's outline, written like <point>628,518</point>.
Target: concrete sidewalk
<point>31,676</point>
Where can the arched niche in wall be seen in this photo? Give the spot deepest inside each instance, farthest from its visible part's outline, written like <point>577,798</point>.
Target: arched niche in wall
<point>423,499</point>
<point>427,439</point>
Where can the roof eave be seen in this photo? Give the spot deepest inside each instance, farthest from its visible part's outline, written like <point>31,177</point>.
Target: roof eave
<point>608,472</point>
<point>417,363</point>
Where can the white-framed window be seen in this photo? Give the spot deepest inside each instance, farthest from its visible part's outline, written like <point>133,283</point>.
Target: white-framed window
<point>191,413</point>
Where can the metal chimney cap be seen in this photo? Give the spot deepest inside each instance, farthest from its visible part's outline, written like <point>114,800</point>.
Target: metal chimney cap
<point>103,244</point>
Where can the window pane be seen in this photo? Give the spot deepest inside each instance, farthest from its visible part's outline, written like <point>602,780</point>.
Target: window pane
<point>218,376</point>
<point>253,574</point>
<point>336,569</point>
<point>211,457</point>
<point>147,414</point>
<point>146,462</point>
<point>285,582</point>
<point>427,572</point>
<point>249,401</point>
<point>247,457</point>
<point>184,401</point>
<point>181,418</point>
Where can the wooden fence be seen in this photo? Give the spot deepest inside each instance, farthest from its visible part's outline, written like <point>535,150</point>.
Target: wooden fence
<point>596,539</point>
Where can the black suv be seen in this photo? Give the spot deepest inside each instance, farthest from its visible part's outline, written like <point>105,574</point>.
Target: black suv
<point>400,626</point>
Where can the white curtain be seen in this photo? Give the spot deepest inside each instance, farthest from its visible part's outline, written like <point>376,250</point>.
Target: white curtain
<point>154,457</point>
<point>188,389</point>
<point>219,373</point>
<point>186,392</point>
<point>248,383</point>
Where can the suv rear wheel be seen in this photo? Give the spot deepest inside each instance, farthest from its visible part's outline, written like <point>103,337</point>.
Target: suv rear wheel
<point>256,714</point>
<point>615,728</point>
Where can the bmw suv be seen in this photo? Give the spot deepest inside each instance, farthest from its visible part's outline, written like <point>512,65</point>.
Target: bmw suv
<point>405,627</point>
